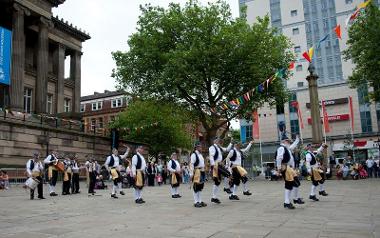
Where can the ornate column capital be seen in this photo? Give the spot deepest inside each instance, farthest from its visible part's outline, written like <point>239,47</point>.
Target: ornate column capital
<point>19,9</point>
<point>44,22</point>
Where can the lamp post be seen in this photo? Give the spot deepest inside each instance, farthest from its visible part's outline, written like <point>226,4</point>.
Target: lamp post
<point>314,106</point>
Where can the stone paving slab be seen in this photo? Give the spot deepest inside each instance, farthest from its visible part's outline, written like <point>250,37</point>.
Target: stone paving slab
<point>352,209</point>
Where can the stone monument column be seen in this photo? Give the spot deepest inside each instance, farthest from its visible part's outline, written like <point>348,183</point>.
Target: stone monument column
<point>75,74</point>
<point>59,64</point>
<point>42,65</point>
<point>316,125</point>
<point>18,58</point>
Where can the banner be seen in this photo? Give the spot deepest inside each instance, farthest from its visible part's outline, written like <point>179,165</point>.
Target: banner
<point>351,113</point>
<point>256,126</point>
<point>325,118</point>
<point>5,55</point>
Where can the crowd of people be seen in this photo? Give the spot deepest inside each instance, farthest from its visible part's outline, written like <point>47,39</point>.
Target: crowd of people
<point>358,170</point>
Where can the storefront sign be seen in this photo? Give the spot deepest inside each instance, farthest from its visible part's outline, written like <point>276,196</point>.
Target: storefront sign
<point>333,118</point>
<point>5,55</point>
<point>332,102</point>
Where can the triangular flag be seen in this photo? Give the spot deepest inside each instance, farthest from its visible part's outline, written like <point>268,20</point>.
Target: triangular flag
<point>322,40</point>
<point>291,65</point>
<point>236,101</point>
<point>338,32</point>
<point>260,88</point>
<point>363,4</point>
<point>311,52</point>
<point>248,97</point>
<point>306,56</point>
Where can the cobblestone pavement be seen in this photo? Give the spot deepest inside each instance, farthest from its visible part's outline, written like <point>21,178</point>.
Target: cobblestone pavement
<point>352,209</point>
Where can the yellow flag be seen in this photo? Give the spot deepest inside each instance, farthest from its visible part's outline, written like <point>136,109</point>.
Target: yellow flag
<point>311,52</point>
<point>363,4</point>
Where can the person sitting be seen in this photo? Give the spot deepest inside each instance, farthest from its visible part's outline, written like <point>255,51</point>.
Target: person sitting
<point>273,175</point>
<point>99,183</point>
<point>339,172</point>
<point>362,172</point>
<point>354,172</point>
<point>4,180</point>
<point>345,171</point>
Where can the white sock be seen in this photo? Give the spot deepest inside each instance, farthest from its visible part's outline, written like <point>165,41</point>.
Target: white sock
<point>312,193</point>
<point>119,187</point>
<point>113,189</point>
<point>140,193</point>
<point>226,183</point>
<point>245,189</point>
<point>287,196</point>
<point>199,197</point>
<point>195,197</point>
<point>295,194</point>
<point>214,191</point>
<point>176,191</point>
<point>172,190</point>
<point>321,187</point>
<point>51,188</point>
<point>234,188</point>
<point>136,193</point>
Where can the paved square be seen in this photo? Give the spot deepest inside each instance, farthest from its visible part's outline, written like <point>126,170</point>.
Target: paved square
<point>352,209</point>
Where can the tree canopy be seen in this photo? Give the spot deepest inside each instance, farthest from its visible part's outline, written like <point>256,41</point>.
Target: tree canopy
<point>198,56</point>
<point>161,125</point>
<point>364,51</point>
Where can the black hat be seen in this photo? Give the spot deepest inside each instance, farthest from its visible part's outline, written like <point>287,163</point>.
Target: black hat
<point>285,137</point>
<point>197,143</point>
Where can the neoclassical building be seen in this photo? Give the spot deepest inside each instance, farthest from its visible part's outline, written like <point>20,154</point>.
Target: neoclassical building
<point>40,45</point>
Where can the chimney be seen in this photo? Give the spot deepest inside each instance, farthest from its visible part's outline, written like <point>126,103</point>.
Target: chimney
<point>96,93</point>
<point>106,91</point>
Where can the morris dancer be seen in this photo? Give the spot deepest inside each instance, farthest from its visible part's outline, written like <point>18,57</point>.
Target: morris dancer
<point>197,174</point>
<point>50,161</point>
<point>175,169</point>
<point>234,159</point>
<point>91,167</point>
<point>75,179</point>
<point>67,174</point>
<point>113,164</point>
<point>217,168</point>
<point>138,168</point>
<point>35,169</point>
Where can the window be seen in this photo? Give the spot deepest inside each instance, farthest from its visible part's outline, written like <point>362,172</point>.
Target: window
<point>28,94</point>
<point>293,13</point>
<point>293,97</point>
<point>366,122</point>
<point>116,102</point>
<point>280,109</point>
<point>112,118</point>
<point>82,107</point>
<point>300,84</point>
<point>294,127</point>
<point>100,122</point>
<point>348,1</point>
<point>49,104</point>
<point>97,106</point>
<point>296,31</point>
<point>93,124</point>
<point>67,105</point>
<point>297,49</point>
<point>248,133</point>
<point>299,67</point>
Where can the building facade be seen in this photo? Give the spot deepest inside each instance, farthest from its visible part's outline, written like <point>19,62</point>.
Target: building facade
<point>40,45</point>
<point>305,23</point>
<point>100,109</point>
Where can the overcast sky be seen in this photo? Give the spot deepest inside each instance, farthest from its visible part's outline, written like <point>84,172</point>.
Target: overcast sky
<point>109,24</point>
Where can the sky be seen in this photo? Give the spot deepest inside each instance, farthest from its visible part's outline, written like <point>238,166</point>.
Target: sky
<point>109,26</point>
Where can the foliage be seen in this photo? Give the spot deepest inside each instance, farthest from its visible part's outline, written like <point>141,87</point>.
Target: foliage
<point>160,124</point>
<point>364,51</point>
<point>197,56</point>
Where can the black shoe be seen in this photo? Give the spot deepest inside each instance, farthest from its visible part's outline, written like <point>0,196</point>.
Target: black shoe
<point>53,194</point>
<point>174,196</point>
<point>323,193</point>
<point>247,193</point>
<point>141,200</point>
<point>227,190</point>
<point>138,201</point>
<point>234,197</point>
<point>298,201</point>
<point>314,198</point>
<point>215,200</point>
<point>203,204</point>
<point>31,198</point>
<point>112,196</point>
<point>79,192</point>
<point>122,193</point>
<point>178,196</point>
<point>289,206</point>
<point>64,193</point>
<point>41,198</point>
<point>197,204</point>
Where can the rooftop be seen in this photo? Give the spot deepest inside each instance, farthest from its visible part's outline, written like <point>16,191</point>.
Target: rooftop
<point>105,94</point>
<point>70,29</point>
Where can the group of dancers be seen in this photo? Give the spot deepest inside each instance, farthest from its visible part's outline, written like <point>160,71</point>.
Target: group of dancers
<point>228,169</point>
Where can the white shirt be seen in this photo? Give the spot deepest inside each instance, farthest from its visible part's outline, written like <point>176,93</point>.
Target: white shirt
<point>238,159</point>
<point>177,168</point>
<point>116,163</point>
<point>91,166</point>
<point>220,150</point>
<point>281,152</point>
<point>37,167</point>
<point>201,163</point>
<point>50,159</point>
<point>309,158</point>
<point>75,167</point>
<point>134,163</point>
<point>370,163</point>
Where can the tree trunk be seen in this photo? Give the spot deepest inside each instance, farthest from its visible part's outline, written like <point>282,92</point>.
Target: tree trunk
<point>210,135</point>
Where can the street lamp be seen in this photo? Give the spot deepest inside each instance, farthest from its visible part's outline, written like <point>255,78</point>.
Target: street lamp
<point>314,106</point>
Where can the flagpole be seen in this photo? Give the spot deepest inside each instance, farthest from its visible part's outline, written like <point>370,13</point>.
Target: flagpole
<point>261,151</point>
<point>351,128</point>
<point>324,126</point>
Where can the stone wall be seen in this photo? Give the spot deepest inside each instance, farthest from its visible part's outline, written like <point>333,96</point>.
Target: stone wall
<point>19,138</point>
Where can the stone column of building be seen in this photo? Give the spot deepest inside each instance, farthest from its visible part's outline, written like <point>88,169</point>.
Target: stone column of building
<point>75,74</point>
<point>59,64</point>
<point>42,65</point>
<point>18,58</point>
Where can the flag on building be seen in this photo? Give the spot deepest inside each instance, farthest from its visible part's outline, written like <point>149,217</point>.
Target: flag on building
<point>256,126</point>
<point>351,113</point>
<point>325,117</point>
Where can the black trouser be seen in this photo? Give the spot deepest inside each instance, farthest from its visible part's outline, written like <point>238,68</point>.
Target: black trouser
<point>66,184</point>
<point>39,188</point>
<point>75,183</point>
<point>54,177</point>
<point>236,177</point>
<point>91,186</point>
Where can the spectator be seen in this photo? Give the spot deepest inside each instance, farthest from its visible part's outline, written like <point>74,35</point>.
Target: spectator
<point>151,172</point>
<point>376,168</point>
<point>186,173</point>
<point>164,173</point>
<point>159,168</point>
<point>4,180</point>
<point>370,163</point>
<point>345,171</point>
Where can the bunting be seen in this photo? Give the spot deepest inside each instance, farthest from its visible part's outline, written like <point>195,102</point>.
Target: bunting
<point>338,32</point>
<point>306,56</point>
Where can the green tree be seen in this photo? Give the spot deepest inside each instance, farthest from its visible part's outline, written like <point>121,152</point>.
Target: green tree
<point>197,56</point>
<point>364,51</point>
<point>159,124</point>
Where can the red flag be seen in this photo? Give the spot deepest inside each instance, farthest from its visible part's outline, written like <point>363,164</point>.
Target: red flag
<point>296,105</point>
<point>306,56</point>
<point>325,117</point>
<point>338,32</point>
<point>256,128</point>
<point>291,65</point>
<point>351,113</point>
